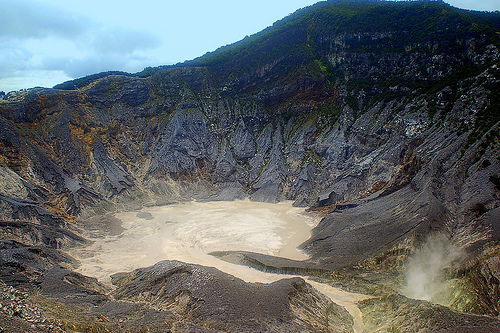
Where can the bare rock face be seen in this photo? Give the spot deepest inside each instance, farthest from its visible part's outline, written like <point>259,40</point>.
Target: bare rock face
<point>268,185</point>
<point>26,222</point>
<point>242,143</point>
<point>185,148</point>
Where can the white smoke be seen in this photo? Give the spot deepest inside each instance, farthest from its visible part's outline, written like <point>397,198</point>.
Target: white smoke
<point>424,271</point>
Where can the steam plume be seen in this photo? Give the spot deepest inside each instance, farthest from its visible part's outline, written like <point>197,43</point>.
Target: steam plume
<point>424,274</point>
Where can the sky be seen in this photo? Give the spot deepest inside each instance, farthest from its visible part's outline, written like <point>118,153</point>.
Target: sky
<point>46,42</point>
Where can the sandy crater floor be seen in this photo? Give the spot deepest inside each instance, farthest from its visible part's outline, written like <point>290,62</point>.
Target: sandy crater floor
<point>189,231</point>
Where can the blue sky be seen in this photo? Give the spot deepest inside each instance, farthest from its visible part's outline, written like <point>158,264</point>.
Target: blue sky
<point>45,42</point>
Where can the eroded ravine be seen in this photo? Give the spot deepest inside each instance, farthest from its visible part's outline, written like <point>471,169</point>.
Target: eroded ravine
<point>188,232</point>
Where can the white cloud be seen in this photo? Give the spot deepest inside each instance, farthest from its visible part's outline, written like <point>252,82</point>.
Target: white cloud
<point>28,19</point>
<point>121,40</point>
<point>37,39</point>
<point>13,58</point>
<point>85,65</point>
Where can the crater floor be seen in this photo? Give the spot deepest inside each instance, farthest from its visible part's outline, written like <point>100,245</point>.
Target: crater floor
<point>189,231</point>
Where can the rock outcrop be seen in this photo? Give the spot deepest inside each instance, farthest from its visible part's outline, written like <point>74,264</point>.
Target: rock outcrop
<point>221,302</point>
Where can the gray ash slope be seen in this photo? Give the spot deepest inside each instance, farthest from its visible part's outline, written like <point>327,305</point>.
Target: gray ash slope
<point>382,115</point>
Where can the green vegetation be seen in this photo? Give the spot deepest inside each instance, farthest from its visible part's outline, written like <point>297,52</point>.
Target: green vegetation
<point>311,157</point>
<point>83,81</point>
<point>301,43</point>
<point>86,80</point>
